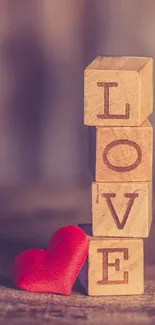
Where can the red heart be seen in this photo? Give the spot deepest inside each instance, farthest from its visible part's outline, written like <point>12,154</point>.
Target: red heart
<point>56,269</point>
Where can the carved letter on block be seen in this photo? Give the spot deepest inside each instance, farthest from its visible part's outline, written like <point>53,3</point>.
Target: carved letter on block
<point>124,153</point>
<point>107,114</point>
<point>105,268</point>
<point>114,267</point>
<point>118,91</point>
<point>122,209</point>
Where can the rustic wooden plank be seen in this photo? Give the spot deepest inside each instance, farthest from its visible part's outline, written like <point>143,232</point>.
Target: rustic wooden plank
<point>19,307</point>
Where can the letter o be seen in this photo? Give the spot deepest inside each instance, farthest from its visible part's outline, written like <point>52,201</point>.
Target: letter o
<point>124,142</point>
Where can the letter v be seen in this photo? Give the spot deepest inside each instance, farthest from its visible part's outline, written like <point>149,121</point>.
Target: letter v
<point>131,196</point>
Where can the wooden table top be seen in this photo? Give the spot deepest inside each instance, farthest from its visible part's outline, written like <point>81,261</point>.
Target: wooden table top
<point>19,307</point>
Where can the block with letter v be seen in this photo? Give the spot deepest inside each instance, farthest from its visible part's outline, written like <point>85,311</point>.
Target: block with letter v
<point>122,209</point>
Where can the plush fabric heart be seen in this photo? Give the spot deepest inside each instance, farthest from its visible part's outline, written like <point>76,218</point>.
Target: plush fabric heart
<point>56,269</point>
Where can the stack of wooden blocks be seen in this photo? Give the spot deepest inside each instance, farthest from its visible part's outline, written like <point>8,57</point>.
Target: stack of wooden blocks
<point>118,101</point>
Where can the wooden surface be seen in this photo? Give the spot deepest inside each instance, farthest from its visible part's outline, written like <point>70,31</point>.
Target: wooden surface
<point>23,308</point>
<point>118,91</point>
<point>117,209</point>
<point>114,267</point>
<point>124,153</point>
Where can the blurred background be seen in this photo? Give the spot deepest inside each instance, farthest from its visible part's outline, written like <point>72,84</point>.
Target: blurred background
<point>44,48</point>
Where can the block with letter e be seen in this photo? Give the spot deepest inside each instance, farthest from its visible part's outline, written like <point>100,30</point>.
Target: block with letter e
<point>118,91</point>
<point>114,266</point>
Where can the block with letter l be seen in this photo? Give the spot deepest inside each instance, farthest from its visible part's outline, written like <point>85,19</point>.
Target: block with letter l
<point>114,266</point>
<point>118,91</point>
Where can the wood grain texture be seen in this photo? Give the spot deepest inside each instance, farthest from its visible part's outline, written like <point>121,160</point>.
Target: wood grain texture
<point>124,153</point>
<point>118,91</point>
<point>122,209</point>
<point>114,267</point>
<point>23,308</point>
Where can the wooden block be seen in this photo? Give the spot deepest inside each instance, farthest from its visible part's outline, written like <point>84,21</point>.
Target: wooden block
<point>114,267</point>
<point>122,209</point>
<point>118,91</point>
<point>124,154</point>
